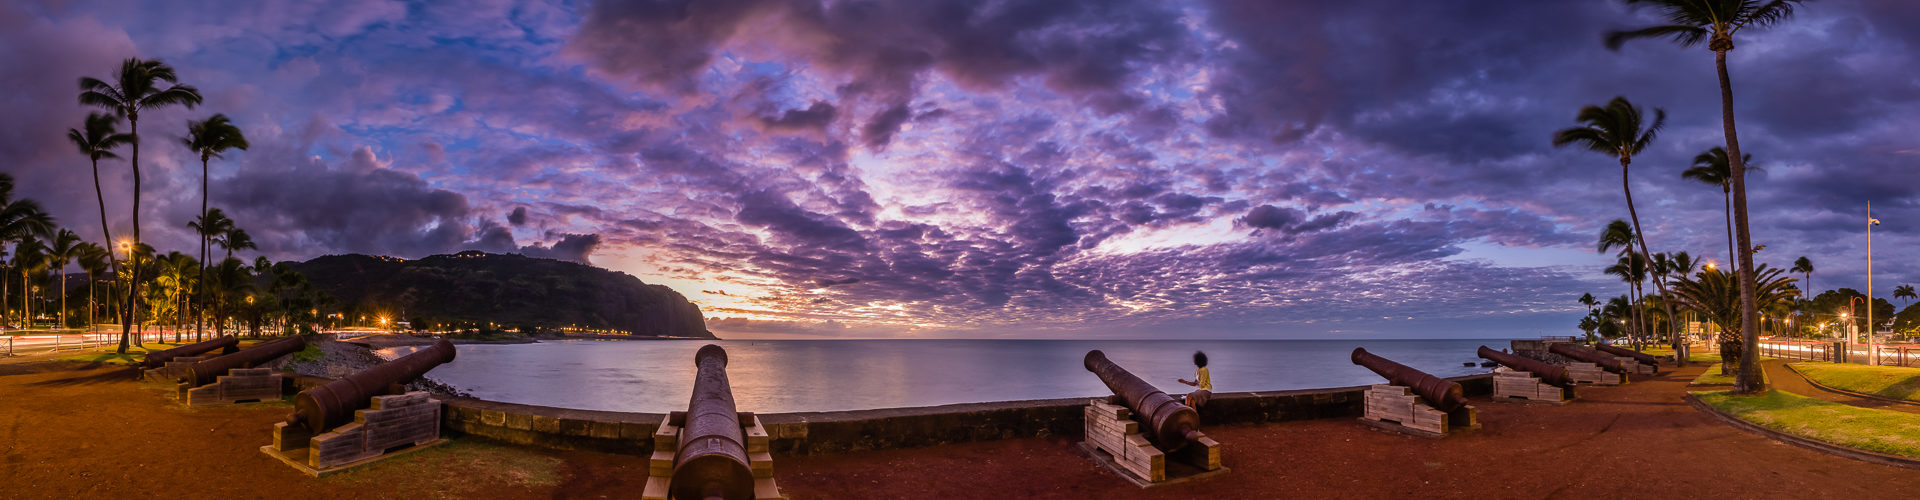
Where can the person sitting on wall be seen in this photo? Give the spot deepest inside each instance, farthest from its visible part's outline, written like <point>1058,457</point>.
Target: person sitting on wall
<point>1201,379</point>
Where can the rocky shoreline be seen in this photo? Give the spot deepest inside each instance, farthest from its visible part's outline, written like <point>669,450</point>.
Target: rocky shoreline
<point>338,359</point>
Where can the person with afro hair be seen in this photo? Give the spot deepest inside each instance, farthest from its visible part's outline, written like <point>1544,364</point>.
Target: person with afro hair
<point>1201,380</point>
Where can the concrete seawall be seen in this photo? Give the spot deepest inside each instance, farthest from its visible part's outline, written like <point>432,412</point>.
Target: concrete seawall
<point>814,433</point>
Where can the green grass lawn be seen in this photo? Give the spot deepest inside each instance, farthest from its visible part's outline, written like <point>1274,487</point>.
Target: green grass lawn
<point>1713,377</point>
<point>1884,381</point>
<point>1884,431</point>
<point>106,354</point>
<point>1695,356</point>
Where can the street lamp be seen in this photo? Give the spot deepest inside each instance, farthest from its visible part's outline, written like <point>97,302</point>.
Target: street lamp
<point>1873,358</point>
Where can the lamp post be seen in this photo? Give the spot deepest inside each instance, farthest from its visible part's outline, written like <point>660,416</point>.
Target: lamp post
<point>1873,356</point>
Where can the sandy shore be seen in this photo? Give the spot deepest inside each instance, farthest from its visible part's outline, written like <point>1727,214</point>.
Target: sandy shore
<point>68,429</point>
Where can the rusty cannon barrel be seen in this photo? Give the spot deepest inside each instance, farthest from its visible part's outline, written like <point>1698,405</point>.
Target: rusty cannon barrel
<point>205,371</point>
<point>1643,358</point>
<point>1605,361</point>
<point>713,451</point>
<point>156,359</point>
<point>1170,424</point>
<point>327,406</point>
<point>1445,395</point>
<point>1549,374</point>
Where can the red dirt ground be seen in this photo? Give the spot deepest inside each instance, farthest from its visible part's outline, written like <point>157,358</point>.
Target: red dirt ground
<point>69,430</point>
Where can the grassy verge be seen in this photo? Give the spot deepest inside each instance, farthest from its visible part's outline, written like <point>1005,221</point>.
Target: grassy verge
<point>1713,377</point>
<point>1884,431</point>
<point>1695,356</point>
<point>106,354</point>
<point>1884,381</point>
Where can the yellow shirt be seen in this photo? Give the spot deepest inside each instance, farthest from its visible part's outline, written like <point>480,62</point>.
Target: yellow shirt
<point>1203,380</point>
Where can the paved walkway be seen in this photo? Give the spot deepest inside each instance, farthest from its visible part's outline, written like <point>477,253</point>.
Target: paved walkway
<point>1788,380</point>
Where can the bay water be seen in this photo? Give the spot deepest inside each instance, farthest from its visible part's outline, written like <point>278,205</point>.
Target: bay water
<point>778,376</point>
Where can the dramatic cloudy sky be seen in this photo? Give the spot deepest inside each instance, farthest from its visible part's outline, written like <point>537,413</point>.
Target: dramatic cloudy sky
<point>1044,168</point>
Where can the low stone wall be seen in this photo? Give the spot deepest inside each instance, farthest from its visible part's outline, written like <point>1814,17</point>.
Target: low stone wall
<point>814,433</point>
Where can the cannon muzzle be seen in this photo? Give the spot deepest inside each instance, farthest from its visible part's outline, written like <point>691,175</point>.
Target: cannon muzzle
<point>1445,395</point>
<point>1643,358</point>
<point>327,406</point>
<point>156,359</point>
<point>1171,424</point>
<point>713,453</point>
<point>206,371</point>
<point>1605,361</point>
<point>1549,374</point>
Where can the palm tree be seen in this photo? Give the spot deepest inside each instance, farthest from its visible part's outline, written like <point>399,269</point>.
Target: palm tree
<point>1619,129</point>
<point>20,220</point>
<point>29,257</point>
<point>98,141</point>
<point>94,260</point>
<point>1632,269</point>
<point>1618,234</point>
<point>211,223</point>
<point>1712,168</point>
<point>61,253</point>
<point>1715,294</point>
<point>1689,22</point>
<point>134,89</point>
<point>1805,267</point>
<point>1904,293</point>
<point>210,137</point>
<point>235,238</point>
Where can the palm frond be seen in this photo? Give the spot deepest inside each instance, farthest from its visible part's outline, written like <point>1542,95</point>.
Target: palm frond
<point>1682,35</point>
<point>1767,14</point>
<point>182,95</point>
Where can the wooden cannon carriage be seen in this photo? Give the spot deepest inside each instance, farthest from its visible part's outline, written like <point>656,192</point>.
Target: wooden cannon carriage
<point>1413,402</point>
<point>711,450</point>
<point>363,417</point>
<point>1115,439</point>
<point>237,377</point>
<point>1528,380</point>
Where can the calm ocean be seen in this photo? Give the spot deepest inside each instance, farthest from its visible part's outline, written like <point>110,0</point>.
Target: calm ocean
<point>776,376</point>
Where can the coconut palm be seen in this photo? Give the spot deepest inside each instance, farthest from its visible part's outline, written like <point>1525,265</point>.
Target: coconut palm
<point>210,137</point>
<point>29,257</point>
<point>1716,295</point>
<point>1619,235</point>
<point>97,142</point>
<point>1905,294</point>
<point>94,261</point>
<point>1620,130</point>
<point>1804,266</point>
<point>1632,269</point>
<point>235,238</point>
<point>20,220</point>
<point>135,88</point>
<point>1712,168</point>
<point>59,254</point>
<point>210,224</point>
<point>1688,23</point>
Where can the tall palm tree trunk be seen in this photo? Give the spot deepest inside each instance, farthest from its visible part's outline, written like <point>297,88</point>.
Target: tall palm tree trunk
<point>61,275</point>
<point>1726,193</point>
<point>1749,381</point>
<point>200,294</point>
<point>1659,283</point>
<point>133,280</point>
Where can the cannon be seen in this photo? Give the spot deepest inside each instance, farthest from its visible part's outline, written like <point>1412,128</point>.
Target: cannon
<point>156,359</point>
<point>1444,395</point>
<point>1643,358</point>
<point>1606,362</point>
<point>1552,375</point>
<point>205,371</point>
<point>327,406</point>
<point>1171,424</point>
<point>712,461</point>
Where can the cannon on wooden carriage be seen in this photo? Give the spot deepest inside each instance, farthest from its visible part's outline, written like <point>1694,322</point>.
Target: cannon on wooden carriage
<point>1114,435</point>
<point>1530,380</point>
<point>235,378</point>
<point>712,450</point>
<point>361,417</point>
<point>1413,401</point>
<point>1592,367</point>
<point>171,364</point>
<point>1649,365</point>
<point>226,344</point>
